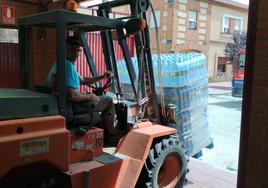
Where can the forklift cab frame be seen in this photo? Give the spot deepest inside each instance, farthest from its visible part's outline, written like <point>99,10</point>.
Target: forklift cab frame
<point>63,21</point>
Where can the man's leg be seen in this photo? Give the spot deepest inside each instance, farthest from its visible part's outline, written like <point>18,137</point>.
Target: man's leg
<point>106,107</point>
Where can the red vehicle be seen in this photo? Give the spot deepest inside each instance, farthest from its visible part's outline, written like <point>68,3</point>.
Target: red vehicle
<point>238,74</point>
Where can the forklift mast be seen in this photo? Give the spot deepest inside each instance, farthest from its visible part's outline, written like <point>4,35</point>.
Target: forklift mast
<point>145,80</point>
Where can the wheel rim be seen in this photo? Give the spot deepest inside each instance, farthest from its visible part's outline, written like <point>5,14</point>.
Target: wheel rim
<point>169,172</point>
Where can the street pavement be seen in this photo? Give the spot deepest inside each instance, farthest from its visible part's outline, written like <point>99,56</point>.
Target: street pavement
<point>224,113</point>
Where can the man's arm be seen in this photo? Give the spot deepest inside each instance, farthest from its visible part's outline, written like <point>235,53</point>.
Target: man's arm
<point>89,80</point>
<point>78,97</point>
<point>92,80</point>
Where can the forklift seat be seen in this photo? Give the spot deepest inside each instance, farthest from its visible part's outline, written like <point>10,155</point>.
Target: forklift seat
<point>78,113</point>
<point>82,114</point>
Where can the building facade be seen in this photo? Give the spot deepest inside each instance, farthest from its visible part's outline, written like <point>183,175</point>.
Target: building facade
<point>198,25</point>
<point>227,18</point>
<point>183,25</point>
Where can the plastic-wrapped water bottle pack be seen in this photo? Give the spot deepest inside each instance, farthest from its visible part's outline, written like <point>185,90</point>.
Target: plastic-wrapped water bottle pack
<point>185,85</point>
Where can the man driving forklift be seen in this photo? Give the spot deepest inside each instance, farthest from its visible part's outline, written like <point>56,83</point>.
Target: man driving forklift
<point>89,101</point>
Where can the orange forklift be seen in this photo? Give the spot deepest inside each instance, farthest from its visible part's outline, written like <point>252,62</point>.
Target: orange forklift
<point>44,142</point>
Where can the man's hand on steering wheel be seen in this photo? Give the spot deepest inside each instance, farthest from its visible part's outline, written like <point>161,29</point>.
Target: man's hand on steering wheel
<point>100,90</point>
<point>108,74</point>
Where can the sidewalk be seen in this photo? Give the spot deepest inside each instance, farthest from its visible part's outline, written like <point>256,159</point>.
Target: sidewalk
<point>224,115</point>
<point>219,88</point>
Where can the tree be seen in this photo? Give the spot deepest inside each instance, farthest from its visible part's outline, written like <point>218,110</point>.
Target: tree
<point>232,49</point>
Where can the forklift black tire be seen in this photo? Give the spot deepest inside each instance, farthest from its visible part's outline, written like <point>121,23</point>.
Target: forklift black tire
<point>165,165</point>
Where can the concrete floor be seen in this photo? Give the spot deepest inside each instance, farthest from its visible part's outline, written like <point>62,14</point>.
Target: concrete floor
<point>224,126</point>
<point>202,175</point>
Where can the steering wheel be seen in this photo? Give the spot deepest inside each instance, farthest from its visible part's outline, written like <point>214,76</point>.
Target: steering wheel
<point>101,89</point>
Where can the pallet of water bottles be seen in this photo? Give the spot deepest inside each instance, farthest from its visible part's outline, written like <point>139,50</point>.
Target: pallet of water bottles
<point>187,96</point>
<point>188,117</point>
<point>194,139</point>
<point>185,86</point>
<point>192,126</point>
<point>176,69</point>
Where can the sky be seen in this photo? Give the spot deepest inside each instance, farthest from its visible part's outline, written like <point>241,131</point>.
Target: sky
<point>243,1</point>
<point>90,3</point>
<point>99,1</point>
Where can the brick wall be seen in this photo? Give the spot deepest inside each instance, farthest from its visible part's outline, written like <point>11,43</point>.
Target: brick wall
<point>42,42</point>
<point>194,39</point>
<point>11,68</point>
<point>166,26</point>
<point>174,32</point>
<point>21,9</point>
<point>253,161</point>
<point>43,53</point>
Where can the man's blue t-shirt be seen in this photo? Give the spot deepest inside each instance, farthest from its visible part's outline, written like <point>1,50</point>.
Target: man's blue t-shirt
<point>72,78</point>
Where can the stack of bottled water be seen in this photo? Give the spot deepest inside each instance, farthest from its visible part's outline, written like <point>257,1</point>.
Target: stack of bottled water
<point>185,85</point>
